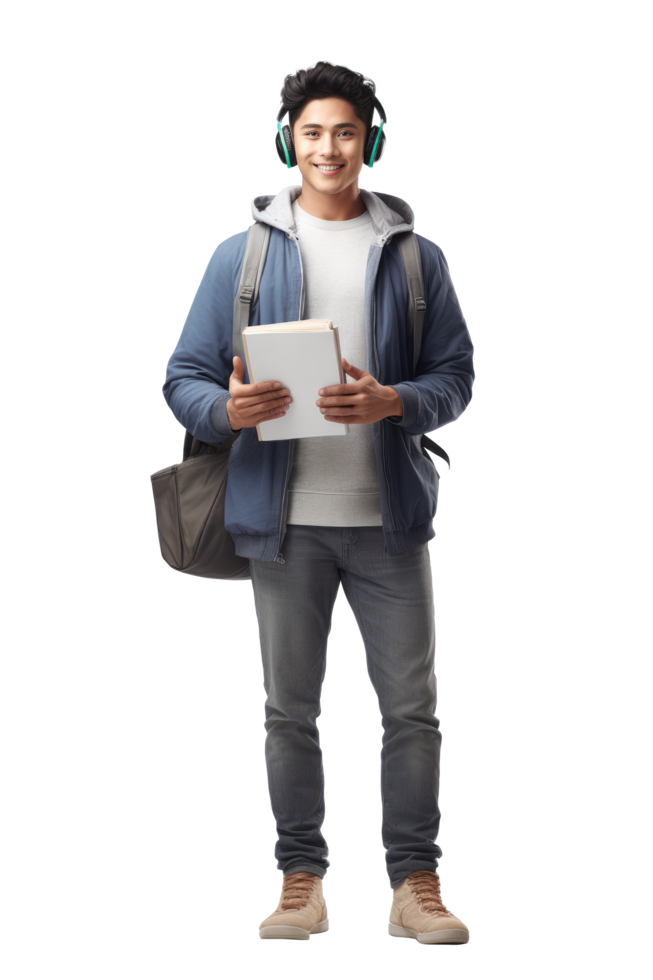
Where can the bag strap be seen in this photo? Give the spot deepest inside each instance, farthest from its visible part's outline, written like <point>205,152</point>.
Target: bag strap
<point>256,250</point>
<point>412,260</point>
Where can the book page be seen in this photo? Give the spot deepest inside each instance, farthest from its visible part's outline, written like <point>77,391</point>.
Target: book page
<point>296,325</point>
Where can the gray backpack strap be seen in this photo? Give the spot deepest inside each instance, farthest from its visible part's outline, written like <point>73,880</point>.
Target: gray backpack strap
<point>256,250</point>
<point>410,256</point>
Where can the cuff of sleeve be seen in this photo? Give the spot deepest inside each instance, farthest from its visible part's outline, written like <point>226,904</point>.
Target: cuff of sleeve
<point>409,404</point>
<point>219,417</point>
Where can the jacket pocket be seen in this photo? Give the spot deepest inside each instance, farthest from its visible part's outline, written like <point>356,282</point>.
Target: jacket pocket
<point>425,470</point>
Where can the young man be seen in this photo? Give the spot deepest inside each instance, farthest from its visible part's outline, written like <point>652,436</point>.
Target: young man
<point>311,514</point>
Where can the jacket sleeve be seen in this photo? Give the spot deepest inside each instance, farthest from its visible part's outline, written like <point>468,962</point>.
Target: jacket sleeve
<point>197,379</point>
<point>442,387</point>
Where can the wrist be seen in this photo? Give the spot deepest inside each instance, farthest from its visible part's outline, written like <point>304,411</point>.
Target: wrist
<point>396,407</point>
<point>231,421</point>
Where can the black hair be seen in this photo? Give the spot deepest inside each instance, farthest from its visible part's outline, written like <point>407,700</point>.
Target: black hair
<point>324,80</point>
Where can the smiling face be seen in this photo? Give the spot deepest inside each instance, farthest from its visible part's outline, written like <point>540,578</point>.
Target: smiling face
<point>329,143</point>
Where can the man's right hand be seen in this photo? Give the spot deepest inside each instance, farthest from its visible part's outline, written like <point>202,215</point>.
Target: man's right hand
<point>251,404</point>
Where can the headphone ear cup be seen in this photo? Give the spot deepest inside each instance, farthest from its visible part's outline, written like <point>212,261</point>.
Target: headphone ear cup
<point>287,135</point>
<point>369,146</point>
<point>380,150</point>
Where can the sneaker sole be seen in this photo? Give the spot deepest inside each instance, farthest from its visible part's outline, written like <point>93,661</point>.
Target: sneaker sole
<point>448,937</point>
<point>292,932</point>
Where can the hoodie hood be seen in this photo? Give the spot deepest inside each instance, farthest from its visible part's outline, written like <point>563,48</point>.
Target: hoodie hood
<point>390,215</point>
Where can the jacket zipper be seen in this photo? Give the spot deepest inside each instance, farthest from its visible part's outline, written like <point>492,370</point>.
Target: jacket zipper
<point>383,452</point>
<point>291,448</point>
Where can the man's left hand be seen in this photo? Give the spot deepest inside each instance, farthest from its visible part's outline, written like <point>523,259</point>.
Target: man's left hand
<point>360,402</point>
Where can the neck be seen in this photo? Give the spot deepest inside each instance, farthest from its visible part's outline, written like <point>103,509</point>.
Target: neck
<point>344,206</point>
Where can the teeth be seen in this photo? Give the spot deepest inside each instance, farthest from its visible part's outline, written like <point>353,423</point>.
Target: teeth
<point>320,167</point>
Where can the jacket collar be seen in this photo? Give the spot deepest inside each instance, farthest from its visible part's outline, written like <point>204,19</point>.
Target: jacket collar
<point>390,215</point>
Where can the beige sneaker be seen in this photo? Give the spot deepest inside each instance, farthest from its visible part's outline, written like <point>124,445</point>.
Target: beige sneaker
<point>301,910</point>
<point>418,912</point>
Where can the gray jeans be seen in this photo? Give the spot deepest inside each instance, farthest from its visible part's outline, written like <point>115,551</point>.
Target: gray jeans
<point>392,599</point>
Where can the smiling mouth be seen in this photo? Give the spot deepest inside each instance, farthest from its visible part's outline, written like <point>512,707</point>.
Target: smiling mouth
<point>328,168</point>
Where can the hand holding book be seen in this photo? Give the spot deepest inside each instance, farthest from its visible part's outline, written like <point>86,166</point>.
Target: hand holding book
<point>251,404</point>
<point>361,401</point>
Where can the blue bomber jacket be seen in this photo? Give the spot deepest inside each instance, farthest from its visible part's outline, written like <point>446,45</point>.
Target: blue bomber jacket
<point>197,382</point>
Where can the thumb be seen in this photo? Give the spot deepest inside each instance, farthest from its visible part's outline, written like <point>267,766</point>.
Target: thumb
<point>238,371</point>
<point>351,370</point>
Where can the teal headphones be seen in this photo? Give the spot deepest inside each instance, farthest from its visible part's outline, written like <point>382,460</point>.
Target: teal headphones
<point>373,145</point>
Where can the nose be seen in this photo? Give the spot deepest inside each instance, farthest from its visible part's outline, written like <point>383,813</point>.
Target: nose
<point>328,146</point>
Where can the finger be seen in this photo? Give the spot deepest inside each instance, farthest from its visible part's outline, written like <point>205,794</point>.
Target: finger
<point>351,419</point>
<point>353,371</point>
<point>340,411</point>
<point>239,369</point>
<point>345,401</point>
<point>262,386</point>
<point>264,403</point>
<point>258,397</point>
<point>338,390</point>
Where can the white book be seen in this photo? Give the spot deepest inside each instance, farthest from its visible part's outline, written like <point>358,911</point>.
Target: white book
<point>304,356</point>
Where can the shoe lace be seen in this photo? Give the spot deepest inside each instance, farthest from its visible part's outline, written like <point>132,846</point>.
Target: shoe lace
<point>297,889</point>
<point>425,885</point>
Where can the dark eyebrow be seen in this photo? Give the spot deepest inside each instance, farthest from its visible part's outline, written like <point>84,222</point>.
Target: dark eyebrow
<point>337,125</point>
